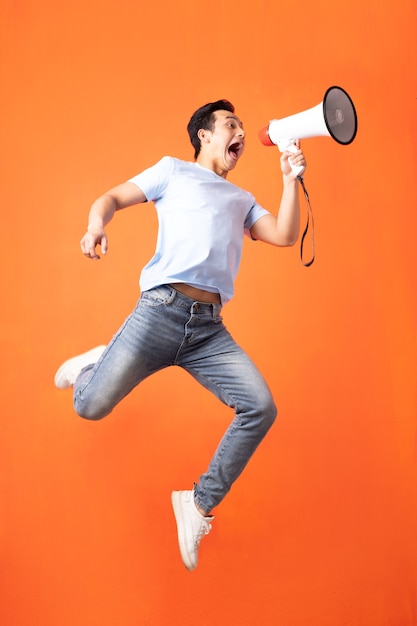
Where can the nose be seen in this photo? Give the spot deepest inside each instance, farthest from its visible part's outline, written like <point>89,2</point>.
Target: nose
<point>241,132</point>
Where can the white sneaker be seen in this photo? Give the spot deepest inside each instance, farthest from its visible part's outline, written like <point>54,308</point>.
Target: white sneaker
<point>191,526</point>
<point>68,372</point>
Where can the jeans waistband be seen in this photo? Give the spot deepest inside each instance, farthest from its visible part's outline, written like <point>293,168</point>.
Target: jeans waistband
<point>190,304</point>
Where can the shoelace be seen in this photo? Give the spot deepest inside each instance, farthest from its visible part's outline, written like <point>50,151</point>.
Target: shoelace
<point>204,529</point>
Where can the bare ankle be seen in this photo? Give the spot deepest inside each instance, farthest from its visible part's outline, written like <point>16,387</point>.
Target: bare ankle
<point>200,510</point>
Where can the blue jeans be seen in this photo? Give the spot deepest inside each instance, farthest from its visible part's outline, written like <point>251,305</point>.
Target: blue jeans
<point>168,328</point>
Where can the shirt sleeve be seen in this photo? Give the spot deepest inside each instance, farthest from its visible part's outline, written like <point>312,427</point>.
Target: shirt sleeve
<point>154,179</point>
<point>255,213</point>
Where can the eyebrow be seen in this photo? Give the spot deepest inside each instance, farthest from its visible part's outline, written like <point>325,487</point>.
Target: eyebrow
<point>233,117</point>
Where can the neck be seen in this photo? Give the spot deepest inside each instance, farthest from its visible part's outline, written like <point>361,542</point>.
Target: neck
<point>210,164</point>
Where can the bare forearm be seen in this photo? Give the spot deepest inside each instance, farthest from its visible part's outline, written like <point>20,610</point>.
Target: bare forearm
<point>288,220</point>
<point>101,212</point>
<point>284,229</point>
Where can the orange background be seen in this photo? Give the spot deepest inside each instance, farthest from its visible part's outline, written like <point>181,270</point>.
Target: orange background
<point>320,530</point>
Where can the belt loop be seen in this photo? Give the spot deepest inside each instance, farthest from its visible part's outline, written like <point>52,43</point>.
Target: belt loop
<point>172,295</point>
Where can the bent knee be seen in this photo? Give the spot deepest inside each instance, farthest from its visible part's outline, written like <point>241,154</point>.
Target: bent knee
<point>270,412</point>
<point>267,412</point>
<point>261,406</point>
<point>94,413</point>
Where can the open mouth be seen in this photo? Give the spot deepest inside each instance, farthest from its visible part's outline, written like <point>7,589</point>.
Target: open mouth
<point>235,149</point>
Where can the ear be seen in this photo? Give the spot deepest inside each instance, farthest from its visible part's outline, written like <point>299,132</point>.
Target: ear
<point>204,135</point>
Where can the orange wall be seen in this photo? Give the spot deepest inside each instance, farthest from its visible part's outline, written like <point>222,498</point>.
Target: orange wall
<point>321,528</point>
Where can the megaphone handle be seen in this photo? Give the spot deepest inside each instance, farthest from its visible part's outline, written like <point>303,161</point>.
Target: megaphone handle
<point>289,145</point>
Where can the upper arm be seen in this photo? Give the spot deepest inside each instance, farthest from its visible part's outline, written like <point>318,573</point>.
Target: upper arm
<point>127,194</point>
<point>265,229</point>
<point>278,233</point>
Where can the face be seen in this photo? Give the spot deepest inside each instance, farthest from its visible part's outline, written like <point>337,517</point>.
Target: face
<point>224,144</point>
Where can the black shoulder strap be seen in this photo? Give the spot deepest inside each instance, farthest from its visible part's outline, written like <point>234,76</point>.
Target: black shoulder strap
<point>309,214</point>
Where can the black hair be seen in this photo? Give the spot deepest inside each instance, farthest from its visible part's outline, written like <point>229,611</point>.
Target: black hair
<point>204,118</point>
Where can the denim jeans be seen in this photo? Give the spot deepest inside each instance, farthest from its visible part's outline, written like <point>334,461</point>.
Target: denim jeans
<point>168,328</point>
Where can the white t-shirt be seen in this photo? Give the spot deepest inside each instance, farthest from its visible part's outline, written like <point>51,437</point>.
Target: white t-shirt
<point>202,220</point>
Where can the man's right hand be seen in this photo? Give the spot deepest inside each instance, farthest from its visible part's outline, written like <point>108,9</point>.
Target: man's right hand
<point>91,240</point>
<point>102,211</point>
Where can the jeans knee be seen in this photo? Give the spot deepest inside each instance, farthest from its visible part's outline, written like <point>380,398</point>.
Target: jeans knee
<point>269,412</point>
<point>90,412</point>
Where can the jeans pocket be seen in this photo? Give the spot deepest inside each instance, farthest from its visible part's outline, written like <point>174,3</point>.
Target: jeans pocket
<point>158,296</point>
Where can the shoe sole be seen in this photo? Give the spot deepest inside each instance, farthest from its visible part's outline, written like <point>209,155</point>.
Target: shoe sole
<point>179,518</point>
<point>60,379</point>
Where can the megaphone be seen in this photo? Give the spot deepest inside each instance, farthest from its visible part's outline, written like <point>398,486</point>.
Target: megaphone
<point>334,117</point>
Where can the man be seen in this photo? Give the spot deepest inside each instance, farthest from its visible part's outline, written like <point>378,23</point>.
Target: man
<point>177,321</point>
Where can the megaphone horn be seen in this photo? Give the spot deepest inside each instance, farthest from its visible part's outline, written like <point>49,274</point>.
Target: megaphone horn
<point>334,117</point>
